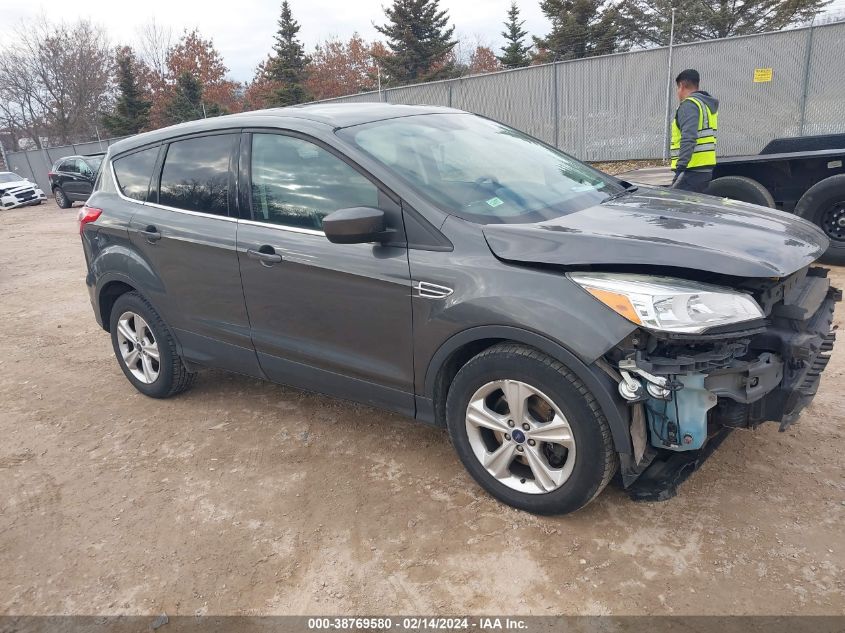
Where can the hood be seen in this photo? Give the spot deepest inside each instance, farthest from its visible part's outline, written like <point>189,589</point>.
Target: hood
<point>660,227</point>
<point>711,101</point>
<point>19,184</point>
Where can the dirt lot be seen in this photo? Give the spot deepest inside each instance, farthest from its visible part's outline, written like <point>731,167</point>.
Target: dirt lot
<point>243,497</point>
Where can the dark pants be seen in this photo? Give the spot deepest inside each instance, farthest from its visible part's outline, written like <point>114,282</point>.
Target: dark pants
<point>693,180</point>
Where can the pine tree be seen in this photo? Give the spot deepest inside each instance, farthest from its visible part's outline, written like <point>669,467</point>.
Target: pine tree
<point>514,52</point>
<point>647,22</point>
<point>580,28</point>
<point>131,111</point>
<point>420,40</point>
<point>286,67</point>
<point>186,103</point>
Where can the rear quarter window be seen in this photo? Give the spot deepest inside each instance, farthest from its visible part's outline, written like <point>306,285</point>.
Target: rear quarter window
<point>195,176</point>
<point>133,173</point>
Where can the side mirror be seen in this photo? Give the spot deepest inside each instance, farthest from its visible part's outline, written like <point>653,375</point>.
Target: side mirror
<point>356,225</point>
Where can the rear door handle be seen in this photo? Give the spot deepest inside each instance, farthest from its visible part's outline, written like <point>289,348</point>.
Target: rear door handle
<point>151,234</point>
<point>266,254</point>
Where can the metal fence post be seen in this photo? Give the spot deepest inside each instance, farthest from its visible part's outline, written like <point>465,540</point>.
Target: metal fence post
<point>581,151</point>
<point>3,157</point>
<point>802,106</point>
<point>668,91</point>
<point>555,106</point>
<point>28,164</point>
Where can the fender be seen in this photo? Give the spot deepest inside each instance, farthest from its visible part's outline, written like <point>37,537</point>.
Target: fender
<point>598,382</point>
<point>121,263</point>
<point>106,279</point>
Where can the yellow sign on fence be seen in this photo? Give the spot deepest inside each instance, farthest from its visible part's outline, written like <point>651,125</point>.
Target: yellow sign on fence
<point>762,75</point>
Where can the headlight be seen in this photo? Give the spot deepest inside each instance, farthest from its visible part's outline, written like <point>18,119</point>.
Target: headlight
<point>669,304</point>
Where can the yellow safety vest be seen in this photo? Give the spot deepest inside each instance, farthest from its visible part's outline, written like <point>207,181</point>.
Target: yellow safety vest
<point>704,154</point>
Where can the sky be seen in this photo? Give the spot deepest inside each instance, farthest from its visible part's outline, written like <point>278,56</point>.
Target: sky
<point>242,30</point>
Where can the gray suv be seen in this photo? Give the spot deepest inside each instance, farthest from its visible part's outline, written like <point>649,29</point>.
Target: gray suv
<point>563,325</point>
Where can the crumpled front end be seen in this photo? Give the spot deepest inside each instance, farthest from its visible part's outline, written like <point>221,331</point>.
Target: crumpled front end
<point>684,390</point>
<point>24,194</point>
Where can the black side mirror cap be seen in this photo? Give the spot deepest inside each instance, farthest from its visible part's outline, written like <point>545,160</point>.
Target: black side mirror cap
<point>356,225</point>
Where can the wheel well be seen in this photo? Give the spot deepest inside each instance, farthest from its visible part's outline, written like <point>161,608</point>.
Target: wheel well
<point>108,295</point>
<point>450,368</point>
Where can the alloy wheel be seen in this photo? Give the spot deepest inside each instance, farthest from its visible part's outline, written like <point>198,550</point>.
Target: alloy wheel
<point>138,347</point>
<point>520,436</point>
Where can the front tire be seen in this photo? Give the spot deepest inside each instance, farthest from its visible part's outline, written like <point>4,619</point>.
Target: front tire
<point>823,204</point>
<point>529,431</point>
<point>145,349</point>
<point>61,198</point>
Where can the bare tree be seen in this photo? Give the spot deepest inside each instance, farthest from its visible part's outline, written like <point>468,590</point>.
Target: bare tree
<point>154,43</point>
<point>55,81</point>
<point>21,113</point>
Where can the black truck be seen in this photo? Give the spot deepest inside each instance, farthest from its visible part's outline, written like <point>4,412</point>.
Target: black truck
<point>802,175</point>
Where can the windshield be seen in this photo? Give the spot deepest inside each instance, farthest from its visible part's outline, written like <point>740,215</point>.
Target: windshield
<point>482,170</point>
<point>94,162</point>
<point>7,176</point>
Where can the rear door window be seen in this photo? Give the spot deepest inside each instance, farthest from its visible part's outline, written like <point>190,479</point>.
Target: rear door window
<point>195,176</point>
<point>133,173</point>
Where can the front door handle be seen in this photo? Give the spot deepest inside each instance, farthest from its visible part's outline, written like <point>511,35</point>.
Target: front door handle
<point>266,254</point>
<point>151,234</point>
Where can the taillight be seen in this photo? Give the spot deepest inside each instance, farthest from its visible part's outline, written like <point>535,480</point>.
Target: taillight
<point>50,174</point>
<point>88,214</point>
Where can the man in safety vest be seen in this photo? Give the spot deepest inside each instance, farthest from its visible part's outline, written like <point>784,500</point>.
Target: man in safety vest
<point>693,147</point>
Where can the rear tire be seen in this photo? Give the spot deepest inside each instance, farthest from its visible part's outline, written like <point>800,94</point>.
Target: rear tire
<point>136,330</point>
<point>480,399</point>
<point>741,188</point>
<point>823,204</point>
<point>61,198</point>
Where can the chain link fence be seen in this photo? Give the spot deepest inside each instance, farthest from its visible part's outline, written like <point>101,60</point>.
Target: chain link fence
<point>35,164</point>
<point>614,107</point>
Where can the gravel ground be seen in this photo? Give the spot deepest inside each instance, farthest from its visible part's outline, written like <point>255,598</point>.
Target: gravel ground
<point>619,166</point>
<point>244,497</point>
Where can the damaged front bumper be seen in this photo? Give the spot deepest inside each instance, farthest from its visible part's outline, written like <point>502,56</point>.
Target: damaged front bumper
<point>10,201</point>
<point>685,392</point>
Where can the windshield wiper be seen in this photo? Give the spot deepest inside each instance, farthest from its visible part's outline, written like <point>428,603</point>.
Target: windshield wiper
<point>629,188</point>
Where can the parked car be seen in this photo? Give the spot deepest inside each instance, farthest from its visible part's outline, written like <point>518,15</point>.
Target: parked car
<point>72,178</point>
<point>560,323</point>
<point>16,191</point>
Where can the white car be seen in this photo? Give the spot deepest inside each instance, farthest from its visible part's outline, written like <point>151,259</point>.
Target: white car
<point>18,192</point>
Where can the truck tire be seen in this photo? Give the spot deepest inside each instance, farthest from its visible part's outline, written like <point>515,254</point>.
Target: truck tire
<point>741,188</point>
<point>823,204</point>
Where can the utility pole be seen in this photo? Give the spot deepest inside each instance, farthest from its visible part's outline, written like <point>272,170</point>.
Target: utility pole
<point>668,91</point>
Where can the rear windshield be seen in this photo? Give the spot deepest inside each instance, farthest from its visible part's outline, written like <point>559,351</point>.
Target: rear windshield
<point>482,170</point>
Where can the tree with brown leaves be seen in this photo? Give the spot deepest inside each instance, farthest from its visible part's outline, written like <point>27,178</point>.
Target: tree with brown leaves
<point>340,68</point>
